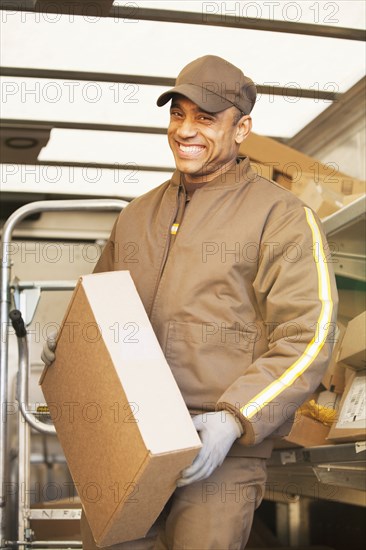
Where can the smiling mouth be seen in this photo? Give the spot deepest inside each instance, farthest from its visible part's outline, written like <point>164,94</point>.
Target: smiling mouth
<point>190,149</point>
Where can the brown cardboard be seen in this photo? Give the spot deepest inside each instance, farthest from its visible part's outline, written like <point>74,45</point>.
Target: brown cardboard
<point>319,200</point>
<point>345,190</point>
<point>348,199</point>
<point>348,186</point>
<point>284,181</point>
<point>305,432</point>
<point>334,376</point>
<point>311,431</point>
<point>336,193</point>
<point>285,159</point>
<point>293,170</point>
<point>353,347</point>
<point>348,373</point>
<point>351,421</point>
<point>329,400</point>
<point>119,415</point>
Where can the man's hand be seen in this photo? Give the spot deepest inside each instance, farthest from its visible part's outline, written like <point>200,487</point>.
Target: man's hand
<point>48,352</point>
<point>218,431</point>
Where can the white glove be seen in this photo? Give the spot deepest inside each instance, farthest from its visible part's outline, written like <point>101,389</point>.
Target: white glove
<point>218,431</point>
<point>48,352</point>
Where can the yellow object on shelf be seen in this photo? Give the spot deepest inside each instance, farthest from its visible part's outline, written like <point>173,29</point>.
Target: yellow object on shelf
<point>325,415</point>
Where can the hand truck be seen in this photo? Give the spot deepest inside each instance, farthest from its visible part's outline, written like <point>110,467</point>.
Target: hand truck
<point>28,420</point>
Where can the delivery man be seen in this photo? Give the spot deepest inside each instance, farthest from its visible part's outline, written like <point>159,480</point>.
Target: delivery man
<point>234,273</point>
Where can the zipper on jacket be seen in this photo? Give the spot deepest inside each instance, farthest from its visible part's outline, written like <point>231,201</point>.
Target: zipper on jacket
<point>166,251</point>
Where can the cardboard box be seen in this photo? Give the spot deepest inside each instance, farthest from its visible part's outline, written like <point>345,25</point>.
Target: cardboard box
<point>339,190</point>
<point>305,432</point>
<point>321,201</point>
<point>321,198</point>
<point>312,424</point>
<point>351,422</point>
<point>348,199</point>
<point>286,160</point>
<point>343,189</point>
<point>353,347</point>
<point>284,181</point>
<point>118,412</point>
<point>329,400</point>
<point>334,376</point>
<point>292,168</point>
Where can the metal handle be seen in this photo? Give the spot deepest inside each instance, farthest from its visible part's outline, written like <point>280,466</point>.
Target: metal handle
<point>23,376</point>
<point>18,323</point>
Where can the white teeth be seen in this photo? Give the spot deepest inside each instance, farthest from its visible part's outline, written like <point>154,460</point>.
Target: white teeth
<point>190,148</point>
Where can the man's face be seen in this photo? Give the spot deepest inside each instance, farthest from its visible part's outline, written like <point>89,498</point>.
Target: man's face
<point>204,144</point>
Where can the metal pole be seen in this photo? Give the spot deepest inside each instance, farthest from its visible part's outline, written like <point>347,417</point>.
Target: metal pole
<point>56,545</point>
<point>22,391</point>
<point>44,285</point>
<point>16,217</point>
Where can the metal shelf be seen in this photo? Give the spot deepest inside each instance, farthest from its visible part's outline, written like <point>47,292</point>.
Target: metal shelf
<point>344,452</point>
<point>331,472</point>
<point>345,231</point>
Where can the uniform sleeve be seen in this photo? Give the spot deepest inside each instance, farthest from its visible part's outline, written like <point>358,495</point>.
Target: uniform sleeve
<point>107,260</point>
<point>297,299</point>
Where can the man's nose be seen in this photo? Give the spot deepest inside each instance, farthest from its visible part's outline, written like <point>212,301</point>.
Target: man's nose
<point>187,128</point>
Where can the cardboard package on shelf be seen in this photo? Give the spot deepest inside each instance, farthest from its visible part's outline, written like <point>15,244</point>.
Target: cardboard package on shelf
<point>320,185</point>
<point>353,346</point>
<point>340,188</point>
<point>118,412</point>
<point>312,422</point>
<point>305,432</point>
<point>321,196</point>
<point>290,162</point>
<point>351,419</point>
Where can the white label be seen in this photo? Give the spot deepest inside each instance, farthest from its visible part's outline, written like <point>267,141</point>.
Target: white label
<point>288,457</point>
<point>353,410</point>
<point>360,446</point>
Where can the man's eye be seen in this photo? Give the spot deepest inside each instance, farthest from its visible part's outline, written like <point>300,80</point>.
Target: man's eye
<point>175,113</point>
<point>204,117</point>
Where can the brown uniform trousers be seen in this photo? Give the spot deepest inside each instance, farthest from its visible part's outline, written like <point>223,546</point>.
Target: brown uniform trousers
<point>213,514</point>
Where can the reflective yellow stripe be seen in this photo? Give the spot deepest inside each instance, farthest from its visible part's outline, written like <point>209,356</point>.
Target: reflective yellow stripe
<point>174,228</point>
<point>316,344</point>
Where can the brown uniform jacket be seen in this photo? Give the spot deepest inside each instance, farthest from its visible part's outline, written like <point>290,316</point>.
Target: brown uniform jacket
<point>244,302</point>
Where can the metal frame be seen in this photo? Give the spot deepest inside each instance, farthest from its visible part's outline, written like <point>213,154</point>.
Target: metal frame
<point>345,217</point>
<point>53,74</point>
<point>16,123</point>
<point>298,476</point>
<point>346,229</point>
<point>336,118</point>
<point>135,12</point>
<point>132,11</point>
<point>14,219</point>
<point>331,472</point>
<point>115,166</point>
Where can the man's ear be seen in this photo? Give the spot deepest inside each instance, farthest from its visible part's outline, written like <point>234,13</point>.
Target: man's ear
<point>244,127</point>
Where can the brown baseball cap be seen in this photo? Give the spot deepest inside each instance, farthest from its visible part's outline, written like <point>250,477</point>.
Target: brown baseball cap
<point>213,84</point>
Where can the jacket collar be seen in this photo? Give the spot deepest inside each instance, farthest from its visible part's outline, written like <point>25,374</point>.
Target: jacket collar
<point>241,173</point>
